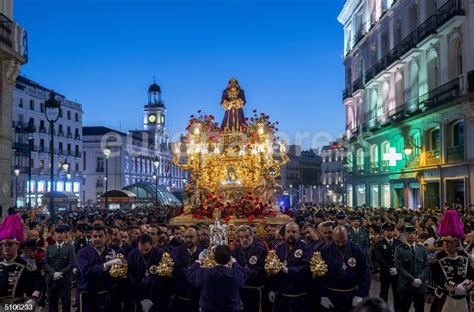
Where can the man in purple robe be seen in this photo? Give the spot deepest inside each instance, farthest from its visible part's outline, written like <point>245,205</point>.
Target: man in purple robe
<point>251,256</point>
<point>220,284</point>
<point>96,287</point>
<point>143,284</point>
<point>292,283</point>
<point>186,295</point>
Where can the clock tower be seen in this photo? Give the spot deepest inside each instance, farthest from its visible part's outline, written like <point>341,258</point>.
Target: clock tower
<point>155,115</point>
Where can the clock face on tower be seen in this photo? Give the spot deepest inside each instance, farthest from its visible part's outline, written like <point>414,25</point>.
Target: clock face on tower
<point>151,118</point>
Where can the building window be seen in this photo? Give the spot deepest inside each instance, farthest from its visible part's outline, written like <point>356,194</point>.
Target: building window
<point>21,102</point>
<point>61,112</point>
<point>434,139</point>
<point>374,195</point>
<point>386,195</point>
<point>350,196</point>
<point>77,167</point>
<point>374,158</point>
<point>76,117</point>
<point>32,104</point>
<point>41,162</point>
<point>458,134</point>
<point>42,107</point>
<point>100,164</point>
<point>360,160</point>
<point>69,115</point>
<point>360,195</point>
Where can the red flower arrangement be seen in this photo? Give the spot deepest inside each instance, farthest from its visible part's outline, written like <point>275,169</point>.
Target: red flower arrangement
<point>249,207</point>
<point>252,125</point>
<point>208,128</point>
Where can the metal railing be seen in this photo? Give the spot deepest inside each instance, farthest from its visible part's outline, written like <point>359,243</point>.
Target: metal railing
<point>432,157</point>
<point>455,153</point>
<point>449,10</point>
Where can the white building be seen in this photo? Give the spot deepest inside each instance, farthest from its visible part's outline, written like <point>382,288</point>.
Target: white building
<point>132,154</point>
<point>409,103</point>
<point>31,140</point>
<point>332,172</point>
<point>13,54</point>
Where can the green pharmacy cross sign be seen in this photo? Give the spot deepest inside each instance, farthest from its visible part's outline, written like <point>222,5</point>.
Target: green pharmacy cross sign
<point>392,156</point>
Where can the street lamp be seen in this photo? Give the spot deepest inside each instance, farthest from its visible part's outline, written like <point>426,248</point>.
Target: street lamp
<point>65,166</point>
<point>52,107</point>
<point>156,163</point>
<point>17,173</point>
<point>106,152</point>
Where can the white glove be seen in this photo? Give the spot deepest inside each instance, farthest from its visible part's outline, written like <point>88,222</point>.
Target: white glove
<point>74,271</point>
<point>393,271</point>
<point>110,263</point>
<point>57,275</point>
<point>356,300</point>
<point>325,302</point>
<point>35,294</point>
<point>232,260</point>
<point>460,290</point>
<point>271,296</point>
<point>32,303</point>
<point>203,254</point>
<point>284,269</point>
<point>416,283</point>
<point>146,305</point>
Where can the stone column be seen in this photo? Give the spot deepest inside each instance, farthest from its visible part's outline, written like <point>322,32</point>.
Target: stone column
<point>9,72</point>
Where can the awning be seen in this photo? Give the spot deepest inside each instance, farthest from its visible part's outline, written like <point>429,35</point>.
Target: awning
<point>60,195</point>
<point>119,193</point>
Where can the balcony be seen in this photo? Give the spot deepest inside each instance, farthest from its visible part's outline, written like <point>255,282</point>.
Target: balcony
<point>432,158</point>
<point>15,38</point>
<point>358,36</point>
<point>42,149</point>
<point>346,93</point>
<point>357,85</point>
<point>374,167</point>
<point>430,26</point>
<point>69,135</point>
<point>455,153</point>
<point>18,146</point>
<point>99,183</point>
<point>61,133</point>
<point>42,129</point>
<point>77,137</point>
<point>413,161</point>
<point>99,169</point>
<point>77,154</point>
<point>385,165</point>
<point>428,101</point>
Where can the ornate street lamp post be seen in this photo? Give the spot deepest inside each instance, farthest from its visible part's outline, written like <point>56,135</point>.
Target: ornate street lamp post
<point>52,107</point>
<point>106,152</point>
<point>156,164</point>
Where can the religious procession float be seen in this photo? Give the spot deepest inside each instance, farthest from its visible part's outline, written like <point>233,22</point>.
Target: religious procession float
<point>232,167</point>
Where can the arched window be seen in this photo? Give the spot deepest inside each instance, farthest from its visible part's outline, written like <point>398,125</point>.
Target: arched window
<point>433,71</point>
<point>458,133</point>
<point>455,57</point>
<point>399,90</point>
<point>360,160</point>
<point>415,142</point>
<point>374,158</point>
<point>349,162</point>
<point>414,85</point>
<point>385,149</point>
<point>434,139</point>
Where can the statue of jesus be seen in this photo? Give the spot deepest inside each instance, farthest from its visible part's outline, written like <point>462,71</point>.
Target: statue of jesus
<point>233,101</point>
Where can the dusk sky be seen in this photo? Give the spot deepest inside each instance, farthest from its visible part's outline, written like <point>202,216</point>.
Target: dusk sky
<point>286,55</point>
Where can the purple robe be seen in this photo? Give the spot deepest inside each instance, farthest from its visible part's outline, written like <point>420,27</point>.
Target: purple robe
<point>219,286</point>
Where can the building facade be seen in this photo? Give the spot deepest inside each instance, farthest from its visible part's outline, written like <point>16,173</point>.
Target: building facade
<point>300,177</point>
<point>332,173</point>
<point>31,144</point>
<point>13,53</point>
<point>132,154</point>
<point>409,99</point>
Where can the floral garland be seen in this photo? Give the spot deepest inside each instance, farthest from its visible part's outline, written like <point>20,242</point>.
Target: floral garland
<point>209,130</point>
<point>249,207</point>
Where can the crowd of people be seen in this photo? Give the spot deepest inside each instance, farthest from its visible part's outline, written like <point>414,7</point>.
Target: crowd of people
<point>417,254</point>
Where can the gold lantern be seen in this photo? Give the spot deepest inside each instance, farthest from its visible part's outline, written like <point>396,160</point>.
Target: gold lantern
<point>119,270</point>
<point>317,265</point>
<point>273,264</point>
